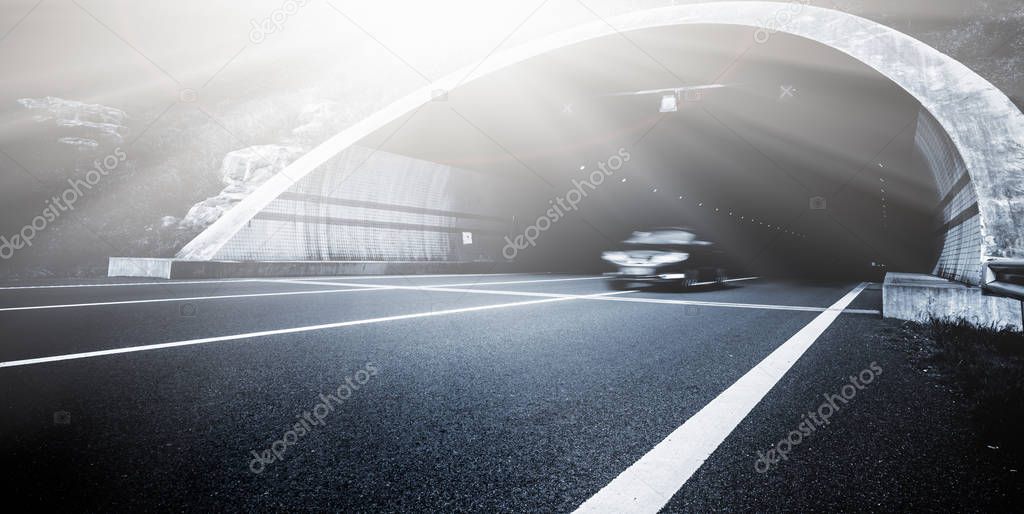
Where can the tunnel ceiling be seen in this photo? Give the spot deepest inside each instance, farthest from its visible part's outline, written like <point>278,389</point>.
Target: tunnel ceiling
<point>795,120</point>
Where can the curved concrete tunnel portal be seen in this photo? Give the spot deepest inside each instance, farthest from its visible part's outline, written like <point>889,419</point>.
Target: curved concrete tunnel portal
<point>968,133</point>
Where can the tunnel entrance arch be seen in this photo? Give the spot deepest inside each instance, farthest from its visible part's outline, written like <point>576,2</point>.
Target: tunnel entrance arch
<point>970,133</point>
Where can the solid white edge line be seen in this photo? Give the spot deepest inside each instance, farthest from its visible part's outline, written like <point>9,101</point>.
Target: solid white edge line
<point>354,288</point>
<point>297,279</point>
<point>510,282</point>
<point>734,305</point>
<point>351,288</point>
<point>122,284</point>
<point>310,328</point>
<point>741,279</point>
<point>727,280</point>
<point>649,484</point>
<point>445,288</point>
<point>373,277</point>
<point>465,284</point>
<point>243,280</point>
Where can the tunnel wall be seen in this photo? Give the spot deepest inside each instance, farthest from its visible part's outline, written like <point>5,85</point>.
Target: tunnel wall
<point>960,229</point>
<point>367,205</point>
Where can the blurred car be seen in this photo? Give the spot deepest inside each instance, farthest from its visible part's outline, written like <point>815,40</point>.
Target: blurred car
<point>667,256</point>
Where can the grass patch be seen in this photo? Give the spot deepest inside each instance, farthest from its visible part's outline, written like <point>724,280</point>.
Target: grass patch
<point>987,366</point>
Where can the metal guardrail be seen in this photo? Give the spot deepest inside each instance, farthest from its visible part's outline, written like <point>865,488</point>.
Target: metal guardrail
<point>1005,277</point>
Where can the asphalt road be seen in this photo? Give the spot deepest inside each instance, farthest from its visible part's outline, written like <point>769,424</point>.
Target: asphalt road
<point>451,393</point>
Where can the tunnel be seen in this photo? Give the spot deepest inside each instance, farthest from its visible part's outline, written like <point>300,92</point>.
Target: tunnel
<point>804,142</point>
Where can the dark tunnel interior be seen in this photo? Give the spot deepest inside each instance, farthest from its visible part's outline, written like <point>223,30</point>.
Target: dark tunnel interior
<point>794,158</point>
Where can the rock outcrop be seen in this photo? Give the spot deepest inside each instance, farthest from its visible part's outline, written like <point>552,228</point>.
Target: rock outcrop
<point>94,119</point>
<point>242,171</point>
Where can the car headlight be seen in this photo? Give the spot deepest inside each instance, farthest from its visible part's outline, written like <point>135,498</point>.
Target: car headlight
<point>615,257</point>
<point>669,258</point>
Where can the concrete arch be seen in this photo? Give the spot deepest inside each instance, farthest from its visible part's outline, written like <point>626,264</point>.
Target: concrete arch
<point>984,168</point>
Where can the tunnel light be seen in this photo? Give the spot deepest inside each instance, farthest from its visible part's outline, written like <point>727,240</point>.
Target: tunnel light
<point>583,167</point>
<point>655,190</point>
<point>680,198</point>
<point>669,103</point>
<point>623,180</point>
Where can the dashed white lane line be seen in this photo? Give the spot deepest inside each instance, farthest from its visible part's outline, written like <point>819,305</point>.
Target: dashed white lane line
<point>647,485</point>
<point>265,333</point>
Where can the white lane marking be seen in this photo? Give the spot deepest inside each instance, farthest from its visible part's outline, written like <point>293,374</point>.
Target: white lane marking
<point>375,277</point>
<point>465,284</point>
<point>125,284</point>
<point>354,288</point>
<point>303,282</point>
<point>472,284</point>
<point>650,483</point>
<point>444,289</point>
<point>469,284</point>
<point>727,280</point>
<point>243,280</point>
<point>724,304</point>
<point>351,288</point>
<point>360,277</point>
<point>741,279</point>
<point>265,333</point>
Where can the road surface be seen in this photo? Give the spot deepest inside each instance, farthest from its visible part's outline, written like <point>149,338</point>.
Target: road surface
<point>437,393</point>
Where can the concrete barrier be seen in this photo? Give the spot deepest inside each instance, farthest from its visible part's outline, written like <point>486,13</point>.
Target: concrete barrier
<point>175,268</point>
<point>921,298</point>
